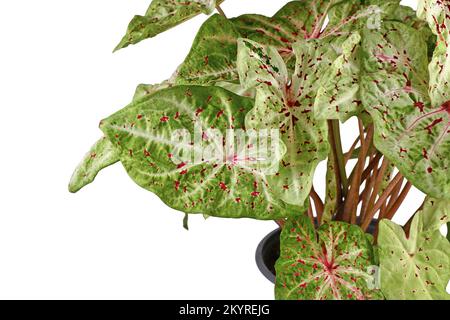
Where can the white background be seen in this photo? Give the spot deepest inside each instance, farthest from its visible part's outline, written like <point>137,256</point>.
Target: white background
<point>58,78</point>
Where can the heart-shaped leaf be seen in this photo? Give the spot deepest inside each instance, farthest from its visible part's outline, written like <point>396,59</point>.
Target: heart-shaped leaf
<point>411,130</point>
<point>333,263</point>
<point>418,266</point>
<point>175,143</point>
<point>284,103</point>
<point>163,15</point>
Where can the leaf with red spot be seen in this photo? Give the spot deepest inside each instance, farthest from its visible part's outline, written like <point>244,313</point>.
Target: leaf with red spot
<point>416,267</point>
<point>337,97</point>
<point>212,57</point>
<point>163,15</point>
<point>437,14</point>
<point>332,263</point>
<point>147,89</point>
<point>411,130</point>
<point>101,155</point>
<point>213,54</point>
<point>285,103</point>
<point>177,155</point>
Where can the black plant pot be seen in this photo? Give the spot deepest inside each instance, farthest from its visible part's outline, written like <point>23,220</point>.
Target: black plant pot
<point>268,252</point>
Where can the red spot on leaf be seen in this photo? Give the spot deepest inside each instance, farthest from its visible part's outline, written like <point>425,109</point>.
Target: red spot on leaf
<point>223,186</point>
<point>164,119</point>
<point>419,105</point>
<point>198,112</point>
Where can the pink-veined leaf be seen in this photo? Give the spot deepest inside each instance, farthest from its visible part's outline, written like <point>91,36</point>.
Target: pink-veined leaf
<point>332,263</point>
<point>198,175</point>
<point>285,102</point>
<point>212,57</point>
<point>411,129</point>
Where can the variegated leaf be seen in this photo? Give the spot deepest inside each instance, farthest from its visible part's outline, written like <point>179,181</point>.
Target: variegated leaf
<point>101,155</point>
<point>285,102</point>
<point>197,175</point>
<point>411,130</point>
<point>213,55</point>
<point>163,15</point>
<point>338,95</point>
<point>437,13</point>
<point>147,89</point>
<point>330,264</point>
<point>416,267</point>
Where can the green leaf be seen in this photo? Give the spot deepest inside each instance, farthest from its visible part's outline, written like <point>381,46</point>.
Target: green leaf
<point>196,175</point>
<point>163,15</point>
<point>435,214</point>
<point>437,13</point>
<point>285,103</point>
<point>213,55</point>
<point>147,89</point>
<point>411,131</point>
<point>417,267</point>
<point>330,264</point>
<point>101,155</point>
<point>338,95</point>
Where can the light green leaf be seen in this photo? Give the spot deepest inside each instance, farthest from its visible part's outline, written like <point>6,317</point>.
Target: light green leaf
<point>437,13</point>
<point>171,143</point>
<point>101,155</point>
<point>285,103</point>
<point>435,214</point>
<point>147,89</point>
<point>338,95</point>
<point>163,15</point>
<point>417,267</point>
<point>213,55</point>
<point>330,264</point>
<point>411,131</point>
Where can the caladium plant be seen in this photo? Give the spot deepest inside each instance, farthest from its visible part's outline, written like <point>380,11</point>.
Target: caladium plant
<point>239,130</point>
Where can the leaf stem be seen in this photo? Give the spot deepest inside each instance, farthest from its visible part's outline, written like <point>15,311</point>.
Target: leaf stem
<point>318,204</point>
<point>349,154</point>
<point>219,9</point>
<point>382,200</point>
<point>392,210</point>
<point>352,200</point>
<point>337,174</point>
<point>281,223</point>
<point>377,185</point>
<point>337,141</point>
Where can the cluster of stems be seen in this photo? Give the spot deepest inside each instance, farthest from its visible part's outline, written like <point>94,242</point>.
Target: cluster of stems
<point>369,191</point>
